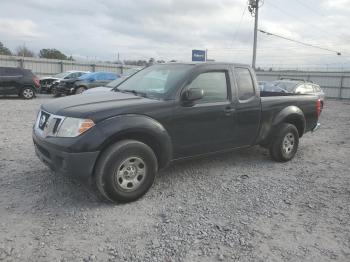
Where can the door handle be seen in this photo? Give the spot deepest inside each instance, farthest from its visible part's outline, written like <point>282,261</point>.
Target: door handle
<point>229,111</point>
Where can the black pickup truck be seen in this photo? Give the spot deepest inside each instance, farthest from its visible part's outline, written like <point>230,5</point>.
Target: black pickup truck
<point>164,113</point>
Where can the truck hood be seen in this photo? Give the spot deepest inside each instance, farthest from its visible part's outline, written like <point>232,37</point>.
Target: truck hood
<point>97,90</point>
<point>98,106</point>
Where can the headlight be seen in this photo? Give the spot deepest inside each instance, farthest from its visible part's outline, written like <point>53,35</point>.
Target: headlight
<point>72,127</point>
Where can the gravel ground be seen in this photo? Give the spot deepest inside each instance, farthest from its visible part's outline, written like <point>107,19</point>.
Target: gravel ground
<point>239,206</point>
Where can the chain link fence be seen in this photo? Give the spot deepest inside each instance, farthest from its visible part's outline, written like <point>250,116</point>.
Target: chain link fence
<point>45,67</point>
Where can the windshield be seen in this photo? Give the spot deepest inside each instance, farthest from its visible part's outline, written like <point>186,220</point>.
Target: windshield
<point>155,81</point>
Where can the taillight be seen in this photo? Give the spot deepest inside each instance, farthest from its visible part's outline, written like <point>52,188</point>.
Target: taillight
<point>318,107</point>
<point>36,81</point>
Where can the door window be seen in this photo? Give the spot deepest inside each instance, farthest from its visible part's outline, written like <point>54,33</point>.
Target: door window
<point>245,84</point>
<point>12,72</point>
<point>309,89</point>
<point>100,76</point>
<point>300,89</point>
<point>214,85</point>
<point>304,89</point>
<point>317,88</point>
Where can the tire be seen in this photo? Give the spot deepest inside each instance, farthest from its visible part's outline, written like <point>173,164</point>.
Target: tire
<point>55,93</point>
<point>27,92</point>
<point>125,171</point>
<point>80,90</point>
<point>285,143</point>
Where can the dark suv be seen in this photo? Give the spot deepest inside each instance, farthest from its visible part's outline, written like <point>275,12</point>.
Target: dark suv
<point>18,81</point>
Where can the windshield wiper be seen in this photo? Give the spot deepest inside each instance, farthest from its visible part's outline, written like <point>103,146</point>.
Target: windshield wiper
<point>133,91</point>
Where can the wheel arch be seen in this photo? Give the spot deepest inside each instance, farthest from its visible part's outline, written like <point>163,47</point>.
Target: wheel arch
<point>20,90</point>
<point>292,115</point>
<point>140,128</point>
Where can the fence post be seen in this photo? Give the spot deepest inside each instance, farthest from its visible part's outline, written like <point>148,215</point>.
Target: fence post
<point>121,69</point>
<point>341,86</point>
<point>21,63</point>
<point>61,65</point>
<point>93,67</point>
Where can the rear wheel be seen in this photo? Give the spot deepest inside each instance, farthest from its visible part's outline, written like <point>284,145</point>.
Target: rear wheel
<point>285,143</point>
<point>125,171</point>
<point>27,93</point>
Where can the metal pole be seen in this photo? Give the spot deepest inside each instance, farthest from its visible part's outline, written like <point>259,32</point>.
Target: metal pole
<point>255,32</point>
<point>340,95</point>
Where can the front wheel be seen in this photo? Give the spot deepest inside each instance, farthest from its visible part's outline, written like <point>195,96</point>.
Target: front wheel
<point>80,90</point>
<point>27,93</point>
<point>285,143</point>
<point>125,171</point>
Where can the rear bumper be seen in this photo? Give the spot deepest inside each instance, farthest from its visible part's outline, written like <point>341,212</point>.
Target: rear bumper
<point>75,164</point>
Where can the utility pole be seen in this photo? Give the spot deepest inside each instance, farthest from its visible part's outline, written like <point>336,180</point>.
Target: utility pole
<point>253,7</point>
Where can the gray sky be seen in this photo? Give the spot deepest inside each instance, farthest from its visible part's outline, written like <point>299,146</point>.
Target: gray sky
<point>170,29</point>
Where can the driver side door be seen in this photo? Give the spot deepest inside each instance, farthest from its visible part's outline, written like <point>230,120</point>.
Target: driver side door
<point>208,124</point>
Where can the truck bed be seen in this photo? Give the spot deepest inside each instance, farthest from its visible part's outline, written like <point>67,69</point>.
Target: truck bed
<point>273,104</point>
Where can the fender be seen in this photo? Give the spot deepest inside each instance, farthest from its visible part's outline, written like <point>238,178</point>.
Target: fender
<point>142,127</point>
<point>290,114</point>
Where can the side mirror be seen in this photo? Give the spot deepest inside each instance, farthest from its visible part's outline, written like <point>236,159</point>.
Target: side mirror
<point>193,94</point>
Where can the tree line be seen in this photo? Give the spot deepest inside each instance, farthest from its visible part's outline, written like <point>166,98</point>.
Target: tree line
<point>52,53</point>
<point>49,53</point>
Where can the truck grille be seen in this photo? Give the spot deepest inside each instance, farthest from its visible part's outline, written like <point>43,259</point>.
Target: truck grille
<point>47,124</point>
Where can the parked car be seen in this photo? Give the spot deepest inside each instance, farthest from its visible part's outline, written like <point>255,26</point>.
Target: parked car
<point>18,81</point>
<point>107,88</point>
<point>85,82</point>
<point>295,86</point>
<point>49,83</point>
<point>63,85</point>
<point>165,113</point>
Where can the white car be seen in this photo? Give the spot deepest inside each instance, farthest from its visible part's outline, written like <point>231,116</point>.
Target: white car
<point>47,83</point>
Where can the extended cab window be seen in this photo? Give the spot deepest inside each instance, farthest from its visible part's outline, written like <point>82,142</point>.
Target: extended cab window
<point>214,85</point>
<point>245,84</point>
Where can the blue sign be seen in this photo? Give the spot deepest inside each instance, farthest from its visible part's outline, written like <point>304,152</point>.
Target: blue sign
<point>198,55</point>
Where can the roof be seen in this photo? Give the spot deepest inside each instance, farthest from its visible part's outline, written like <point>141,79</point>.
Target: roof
<point>74,71</point>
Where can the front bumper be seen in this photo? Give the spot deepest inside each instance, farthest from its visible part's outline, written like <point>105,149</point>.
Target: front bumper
<point>318,125</point>
<point>75,164</point>
<point>64,90</point>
